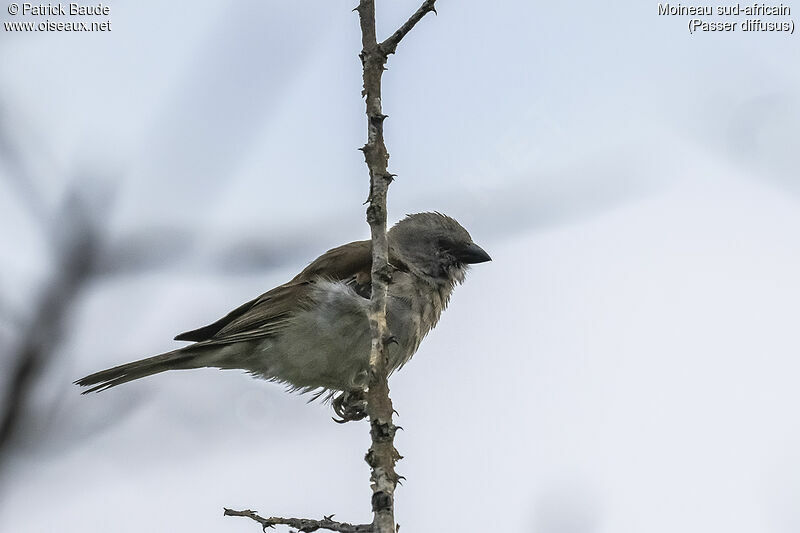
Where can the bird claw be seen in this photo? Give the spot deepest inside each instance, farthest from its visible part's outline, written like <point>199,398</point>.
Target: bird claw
<point>391,339</point>
<point>349,406</point>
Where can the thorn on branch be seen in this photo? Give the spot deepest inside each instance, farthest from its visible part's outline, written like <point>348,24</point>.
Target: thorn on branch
<point>381,501</point>
<point>382,431</point>
<point>374,212</point>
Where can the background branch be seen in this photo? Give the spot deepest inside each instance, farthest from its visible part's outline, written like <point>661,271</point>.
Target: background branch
<point>75,241</point>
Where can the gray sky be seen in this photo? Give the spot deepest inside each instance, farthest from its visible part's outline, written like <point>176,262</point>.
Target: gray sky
<point>628,361</point>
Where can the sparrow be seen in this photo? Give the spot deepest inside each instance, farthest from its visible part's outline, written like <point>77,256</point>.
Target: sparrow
<point>312,333</point>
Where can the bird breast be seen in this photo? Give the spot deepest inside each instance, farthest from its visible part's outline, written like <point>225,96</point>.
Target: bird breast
<point>327,345</point>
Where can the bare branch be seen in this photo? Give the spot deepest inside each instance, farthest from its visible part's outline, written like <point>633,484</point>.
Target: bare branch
<point>390,45</point>
<point>382,455</point>
<point>366,13</point>
<point>305,525</point>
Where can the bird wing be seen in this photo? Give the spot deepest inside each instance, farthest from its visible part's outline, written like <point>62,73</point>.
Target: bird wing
<point>341,263</point>
<point>267,314</point>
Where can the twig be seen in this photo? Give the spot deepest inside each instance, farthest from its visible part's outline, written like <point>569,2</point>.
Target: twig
<point>305,525</point>
<point>390,45</point>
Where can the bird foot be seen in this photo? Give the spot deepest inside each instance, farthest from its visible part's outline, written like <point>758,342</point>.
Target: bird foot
<point>350,406</point>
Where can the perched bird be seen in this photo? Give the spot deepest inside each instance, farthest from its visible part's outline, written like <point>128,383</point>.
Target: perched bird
<point>312,333</point>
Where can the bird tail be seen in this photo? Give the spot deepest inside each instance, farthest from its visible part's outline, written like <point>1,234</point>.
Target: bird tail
<point>183,358</point>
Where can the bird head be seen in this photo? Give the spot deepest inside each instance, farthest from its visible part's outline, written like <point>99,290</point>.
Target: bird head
<point>435,247</point>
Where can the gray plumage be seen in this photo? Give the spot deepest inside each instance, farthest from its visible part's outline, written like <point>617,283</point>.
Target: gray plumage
<point>312,332</point>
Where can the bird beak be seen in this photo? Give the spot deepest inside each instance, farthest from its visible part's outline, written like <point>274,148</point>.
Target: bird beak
<point>471,254</point>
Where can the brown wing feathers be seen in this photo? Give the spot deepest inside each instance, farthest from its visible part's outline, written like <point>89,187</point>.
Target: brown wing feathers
<point>340,263</point>
<point>263,315</point>
<point>207,332</point>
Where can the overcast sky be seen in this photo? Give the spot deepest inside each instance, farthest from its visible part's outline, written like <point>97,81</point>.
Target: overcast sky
<point>627,362</point>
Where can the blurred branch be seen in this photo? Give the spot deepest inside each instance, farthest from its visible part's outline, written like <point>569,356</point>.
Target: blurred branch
<point>75,237</point>
<point>533,201</point>
<point>149,249</point>
<point>19,174</point>
<point>382,454</point>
